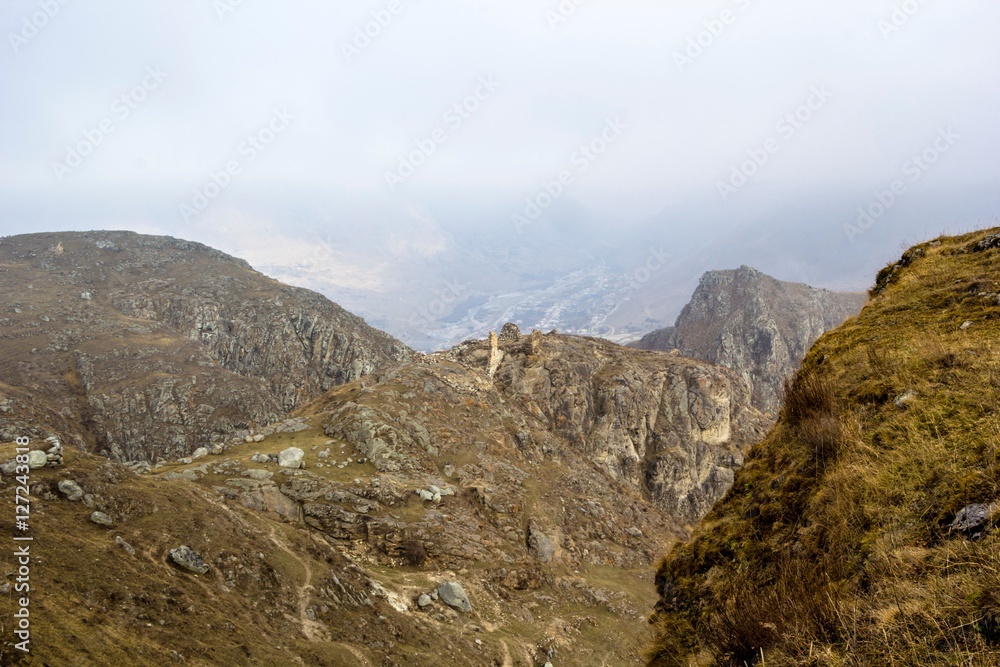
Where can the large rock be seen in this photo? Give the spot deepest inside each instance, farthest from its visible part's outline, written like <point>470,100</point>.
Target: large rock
<point>188,559</point>
<point>453,595</point>
<point>293,458</point>
<point>539,543</point>
<point>71,490</point>
<point>37,459</point>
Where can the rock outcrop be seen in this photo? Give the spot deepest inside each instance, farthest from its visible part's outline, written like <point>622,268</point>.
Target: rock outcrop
<point>756,325</point>
<point>670,429</point>
<point>158,346</point>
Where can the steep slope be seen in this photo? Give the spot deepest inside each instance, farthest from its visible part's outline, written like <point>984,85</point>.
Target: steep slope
<point>861,530</point>
<point>756,325</point>
<point>160,346</point>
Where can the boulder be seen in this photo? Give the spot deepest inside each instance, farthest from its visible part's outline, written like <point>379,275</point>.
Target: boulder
<point>200,453</point>
<point>101,519</point>
<point>292,458</point>
<point>424,600</point>
<point>539,544</point>
<point>71,490</point>
<point>453,595</point>
<point>37,459</point>
<point>188,559</point>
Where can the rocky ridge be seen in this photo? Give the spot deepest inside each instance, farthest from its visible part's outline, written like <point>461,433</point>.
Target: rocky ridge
<point>158,346</point>
<point>756,325</point>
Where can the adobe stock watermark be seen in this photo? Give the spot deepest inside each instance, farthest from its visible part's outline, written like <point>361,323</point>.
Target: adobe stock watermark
<point>224,8</point>
<point>442,303</point>
<point>556,17</point>
<point>900,16</point>
<point>121,109</point>
<point>32,24</point>
<point>655,261</point>
<point>365,34</point>
<point>786,127</point>
<point>454,118</point>
<point>912,170</point>
<point>581,160</point>
<point>713,30</point>
<point>248,151</point>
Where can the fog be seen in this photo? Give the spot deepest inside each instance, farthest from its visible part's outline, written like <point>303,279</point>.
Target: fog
<point>415,159</point>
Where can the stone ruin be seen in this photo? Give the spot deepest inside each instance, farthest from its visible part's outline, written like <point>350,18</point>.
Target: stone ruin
<point>510,333</point>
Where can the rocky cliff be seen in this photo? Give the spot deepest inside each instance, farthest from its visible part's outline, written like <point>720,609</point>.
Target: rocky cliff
<point>156,346</point>
<point>756,325</point>
<point>669,429</point>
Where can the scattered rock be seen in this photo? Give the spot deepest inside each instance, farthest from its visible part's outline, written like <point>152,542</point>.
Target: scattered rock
<point>101,519</point>
<point>5,589</point>
<point>965,325</point>
<point>292,458</point>
<point>634,532</point>
<point>905,399</point>
<point>189,475</point>
<point>425,495</point>
<point>988,243</point>
<point>258,438</point>
<point>539,543</point>
<point>9,468</point>
<point>424,601</point>
<point>973,520</point>
<point>258,474</point>
<point>188,559</point>
<point>124,545</point>
<point>199,453</point>
<point>71,490</point>
<point>453,595</point>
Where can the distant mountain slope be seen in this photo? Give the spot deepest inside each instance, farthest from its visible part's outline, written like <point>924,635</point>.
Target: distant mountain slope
<point>756,325</point>
<point>862,530</point>
<point>158,346</point>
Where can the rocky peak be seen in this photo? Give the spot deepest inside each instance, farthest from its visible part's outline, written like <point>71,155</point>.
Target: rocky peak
<point>756,325</point>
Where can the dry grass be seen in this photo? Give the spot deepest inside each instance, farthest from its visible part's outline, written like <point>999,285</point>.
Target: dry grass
<point>834,546</point>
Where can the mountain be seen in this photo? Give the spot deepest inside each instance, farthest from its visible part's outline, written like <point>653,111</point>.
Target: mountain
<point>862,529</point>
<point>149,347</point>
<point>756,325</point>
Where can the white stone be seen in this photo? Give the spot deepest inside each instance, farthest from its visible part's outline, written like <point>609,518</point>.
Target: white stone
<point>292,458</point>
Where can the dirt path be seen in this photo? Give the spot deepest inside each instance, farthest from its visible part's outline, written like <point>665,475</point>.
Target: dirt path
<point>507,660</point>
<point>313,630</point>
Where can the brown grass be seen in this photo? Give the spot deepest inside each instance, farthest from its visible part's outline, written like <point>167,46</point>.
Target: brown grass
<point>833,547</point>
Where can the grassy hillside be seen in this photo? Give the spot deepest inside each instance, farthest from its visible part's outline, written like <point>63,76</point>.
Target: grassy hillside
<point>838,544</point>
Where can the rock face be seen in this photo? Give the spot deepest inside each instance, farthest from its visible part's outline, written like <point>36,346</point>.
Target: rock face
<point>670,429</point>
<point>173,345</point>
<point>756,325</point>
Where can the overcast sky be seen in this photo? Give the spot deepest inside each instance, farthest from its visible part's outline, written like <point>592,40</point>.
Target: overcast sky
<point>120,113</point>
